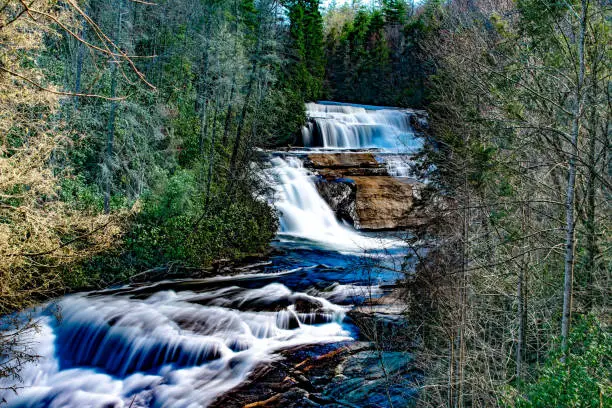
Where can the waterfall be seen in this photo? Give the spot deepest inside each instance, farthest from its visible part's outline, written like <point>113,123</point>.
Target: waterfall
<point>305,215</point>
<point>160,346</point>
<point>347,126</point>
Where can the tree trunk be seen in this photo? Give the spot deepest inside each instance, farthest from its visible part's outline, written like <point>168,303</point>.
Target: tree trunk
<point>591,189</point>
<point>202,95</point>
<point>211,157</point>
<point>110,138</point>
<point>519,315</point>
<point>571,184</point>
<point>79,63</point>
<point>236,149</point>
<point>230,107</point>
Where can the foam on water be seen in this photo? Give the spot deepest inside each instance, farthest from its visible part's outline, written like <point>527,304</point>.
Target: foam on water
<point>171,349</point>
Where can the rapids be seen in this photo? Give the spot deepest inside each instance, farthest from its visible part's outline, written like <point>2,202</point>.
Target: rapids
<point>184,343</point>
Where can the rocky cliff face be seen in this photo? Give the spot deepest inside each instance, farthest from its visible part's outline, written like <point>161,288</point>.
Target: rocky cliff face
<point>359,189</point>
<point>386,203</point>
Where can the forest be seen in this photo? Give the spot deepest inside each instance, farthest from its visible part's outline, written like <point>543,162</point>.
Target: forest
<point>132,133</point>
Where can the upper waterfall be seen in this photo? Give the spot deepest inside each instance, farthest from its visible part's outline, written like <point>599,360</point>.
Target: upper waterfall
<point>351,126</point>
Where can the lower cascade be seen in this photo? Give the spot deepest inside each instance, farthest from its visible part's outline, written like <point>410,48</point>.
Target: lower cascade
<point>187,343</point>
<point>170,349</point>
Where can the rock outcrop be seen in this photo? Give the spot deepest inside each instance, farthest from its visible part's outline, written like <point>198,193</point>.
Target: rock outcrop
<point>359,189</point>
<point>344,161</point>
<point>369,372</point>
<point>386,203</point>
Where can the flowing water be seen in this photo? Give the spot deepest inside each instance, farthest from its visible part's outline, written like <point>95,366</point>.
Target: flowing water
<point>183,343</point>
<point>350,126</point>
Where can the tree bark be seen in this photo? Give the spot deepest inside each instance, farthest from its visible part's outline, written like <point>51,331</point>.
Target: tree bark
<point>230,106</point>
<point>236,149</point>
<point>571,184</point>
<point>110,138</point>
<point>79,63</point>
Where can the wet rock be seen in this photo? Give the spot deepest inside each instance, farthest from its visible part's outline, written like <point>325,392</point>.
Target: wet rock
<point>312,311</point>
<point>287,320</point>
<point>342,161</point>
<point>340,196</point>
<point>349,375</point>
<point>374,203</point>
<point>285,400</point>
<point>374,379</point>
<point>333,174</point>
<point>383,203</point>
<point>331,166</point>
<point>307,305</point>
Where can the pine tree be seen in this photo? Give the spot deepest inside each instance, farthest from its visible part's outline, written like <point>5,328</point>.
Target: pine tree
<point>307,68</point>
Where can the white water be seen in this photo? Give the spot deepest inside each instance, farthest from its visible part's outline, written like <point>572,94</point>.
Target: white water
<point>358,127</point>
<point>304,214</point>
<point>398,165</point>
<point>169,350</point>
<point>184,349</point>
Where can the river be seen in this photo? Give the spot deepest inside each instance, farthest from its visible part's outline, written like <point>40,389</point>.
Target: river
<point>186,343</point>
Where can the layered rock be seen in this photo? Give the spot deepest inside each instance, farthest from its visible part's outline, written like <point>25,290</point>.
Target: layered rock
<point>359,189</point>
<point>386,203</point>
<point>345,161</point>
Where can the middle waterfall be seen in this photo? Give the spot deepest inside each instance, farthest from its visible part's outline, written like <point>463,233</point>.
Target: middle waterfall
<point>305,215</point>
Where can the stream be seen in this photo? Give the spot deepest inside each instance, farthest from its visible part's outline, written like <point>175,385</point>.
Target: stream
<point>188,342</point>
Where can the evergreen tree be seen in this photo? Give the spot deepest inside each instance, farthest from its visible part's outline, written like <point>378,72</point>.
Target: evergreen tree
<point>306,42</point>
<point>374,56</point>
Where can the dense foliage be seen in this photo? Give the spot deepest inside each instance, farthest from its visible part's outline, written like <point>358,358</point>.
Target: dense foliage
<point>519,105</point>
<point>307,68</point>
<point>373,54</point>
<point>41,235</point>
<point>129,133</point>
<point>582,379</point>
